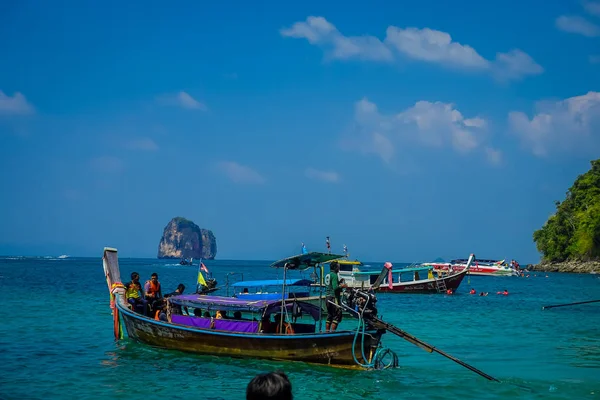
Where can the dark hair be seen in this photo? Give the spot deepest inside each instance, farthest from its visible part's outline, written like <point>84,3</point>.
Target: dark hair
<point>272,385</point>
<point>334,266</point>
<point>181,287</point>
<point>134,274</point>
<point>154,274</point>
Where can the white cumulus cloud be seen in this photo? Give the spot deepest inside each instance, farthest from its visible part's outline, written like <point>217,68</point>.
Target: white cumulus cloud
<point>15,105</point>
<point>238,173</point>
<point>569,125</point>
<point>426,124</point>
<point>319,31</point>
<point>427,45</point>
<point>577,24</point>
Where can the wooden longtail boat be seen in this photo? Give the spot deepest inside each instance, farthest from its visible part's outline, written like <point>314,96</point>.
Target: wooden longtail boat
<point>418,280</point>
<point>247,335</point>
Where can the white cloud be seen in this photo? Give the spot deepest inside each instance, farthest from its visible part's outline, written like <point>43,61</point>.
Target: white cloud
<point>514,65</point>
<point>425,44</point>
<point>144,144</point>
<point>318,31</point>
<point>183,100</point>
<point>240,173</point>
<point>572,124</point>
<point>494,156</point>
<point>325,176</point>
<point>595,59</point>
<point>433,46</point>
<point>576,24</point>
<point>15,105</point>
<point>109,164</point>
<point>424,124</point>
<point>592,7</point>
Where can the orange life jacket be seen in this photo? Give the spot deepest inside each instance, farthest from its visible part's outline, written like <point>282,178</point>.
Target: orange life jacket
<point>156,315</point>
<point>153,288</point>
<point>288,328</point>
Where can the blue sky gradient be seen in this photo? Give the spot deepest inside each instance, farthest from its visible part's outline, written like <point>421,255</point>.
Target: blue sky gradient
<point>408,131</point>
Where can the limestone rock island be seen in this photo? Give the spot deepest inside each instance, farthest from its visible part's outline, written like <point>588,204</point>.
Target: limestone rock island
<point>184,239</point>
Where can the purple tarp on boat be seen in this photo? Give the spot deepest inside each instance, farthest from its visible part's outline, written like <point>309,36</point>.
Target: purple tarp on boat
<point>220,324</point>
<point>233,303</point>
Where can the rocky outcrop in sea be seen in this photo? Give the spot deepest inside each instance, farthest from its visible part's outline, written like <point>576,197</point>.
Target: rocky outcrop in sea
<point>184,239</point>
<point>579,267</point>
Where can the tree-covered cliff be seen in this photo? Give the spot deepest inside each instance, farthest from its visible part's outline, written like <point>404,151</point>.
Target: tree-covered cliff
<point>573,232</point>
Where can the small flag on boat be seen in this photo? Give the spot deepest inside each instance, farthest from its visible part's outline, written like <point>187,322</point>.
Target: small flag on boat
<point>201,280</point>
<point>203,267</point>
<point>328,245</point>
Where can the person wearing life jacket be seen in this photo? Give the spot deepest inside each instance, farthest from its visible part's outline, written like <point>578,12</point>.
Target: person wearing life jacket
<point>133,294</point>
<point>161,314</point>
<point>287,327</point>
<point>472,291</point>
<point>152,291</point>
<point>449,291</point>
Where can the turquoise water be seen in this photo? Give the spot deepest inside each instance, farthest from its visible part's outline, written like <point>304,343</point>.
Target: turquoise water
<point>56,340</point>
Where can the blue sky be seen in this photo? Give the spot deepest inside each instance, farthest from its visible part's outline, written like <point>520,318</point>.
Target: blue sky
<point>408,131</point>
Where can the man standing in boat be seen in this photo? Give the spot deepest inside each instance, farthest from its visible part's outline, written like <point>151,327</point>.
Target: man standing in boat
<point>333,297</point>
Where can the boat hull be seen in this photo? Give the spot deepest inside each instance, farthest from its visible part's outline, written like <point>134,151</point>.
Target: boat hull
<point>335,349</point>
<point>425,286</point>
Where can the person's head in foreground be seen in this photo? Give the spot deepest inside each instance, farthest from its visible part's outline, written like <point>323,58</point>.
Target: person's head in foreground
<point>272,385</point>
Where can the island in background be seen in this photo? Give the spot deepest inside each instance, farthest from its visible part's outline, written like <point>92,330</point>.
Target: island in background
<point>184,239</point>
<point>570,240</point>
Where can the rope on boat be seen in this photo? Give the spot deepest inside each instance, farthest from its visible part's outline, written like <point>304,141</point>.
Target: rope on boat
<point>377,362</point>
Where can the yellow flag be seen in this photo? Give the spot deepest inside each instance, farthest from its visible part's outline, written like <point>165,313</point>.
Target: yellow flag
<point>201,280</point>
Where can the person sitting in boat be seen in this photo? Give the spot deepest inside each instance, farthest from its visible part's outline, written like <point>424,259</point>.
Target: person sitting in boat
<point>265,324</point>
<point>161,313</point>
<point>180,289</point>
<point>133,294</point>
<point>287,327</point>
<point>152,290</point>
<point>430,274</point>
<point>333,297</point>
<point>221,314</point>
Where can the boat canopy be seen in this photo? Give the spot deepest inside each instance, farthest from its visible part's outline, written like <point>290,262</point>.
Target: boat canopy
<point>395,271</point>
<point>273,282</point>
<point>304,261</point>
<point>264,307</point>
<point>345,261</point>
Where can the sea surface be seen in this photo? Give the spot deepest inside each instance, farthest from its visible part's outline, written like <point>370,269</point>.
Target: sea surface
<point>56,340</point>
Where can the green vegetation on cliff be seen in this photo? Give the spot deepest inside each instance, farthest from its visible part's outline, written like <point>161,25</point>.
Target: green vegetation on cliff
<point>573,232</point>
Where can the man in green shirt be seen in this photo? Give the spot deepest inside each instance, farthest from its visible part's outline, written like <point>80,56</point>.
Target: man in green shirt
<point>333,294</point>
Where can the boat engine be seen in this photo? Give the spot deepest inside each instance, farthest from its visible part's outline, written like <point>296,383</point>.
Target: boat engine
<point>362,302</point>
